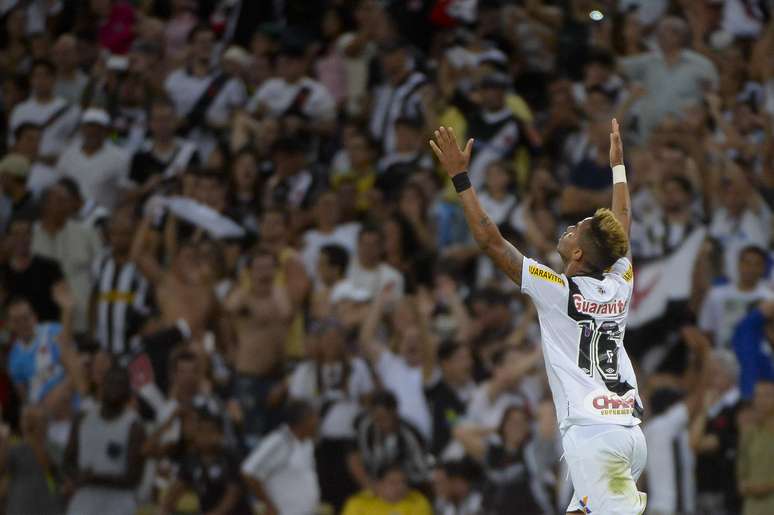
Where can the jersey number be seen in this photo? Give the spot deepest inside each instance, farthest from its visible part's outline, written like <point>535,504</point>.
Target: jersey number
<point>598,349</point>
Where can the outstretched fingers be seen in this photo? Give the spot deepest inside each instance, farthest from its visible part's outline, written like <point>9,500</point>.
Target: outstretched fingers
<point>445,139</point>
<point>468,148</point>
<point>436,150</point>
<point>452,138</point>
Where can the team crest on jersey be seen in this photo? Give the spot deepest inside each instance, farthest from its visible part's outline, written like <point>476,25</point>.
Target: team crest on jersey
<point>629,274</point>
<point>546,275</point>
<point>607,403</point>
<point>589,307</point>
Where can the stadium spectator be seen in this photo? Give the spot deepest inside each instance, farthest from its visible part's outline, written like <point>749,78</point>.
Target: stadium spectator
<point>456,492</point>
<point>513,463</point>
<point>726,305</point>
<point>209,469</point>
<point>714,433</point>
<point>450,396</point>
<point>53,114</point>
<point>28,275</point>
<point>383,439</point>
<point>261,312</point>
<point>73,245</point>
<point>689,74</point>
<point>337,384</point>
<point>104,459</point>
<point>28,463</point>
<point>752,344</point>
<point>754,462</point>
<point>281,471</point>
<point>16,200</point>
<point>35,361</point>
<point>389,495</point>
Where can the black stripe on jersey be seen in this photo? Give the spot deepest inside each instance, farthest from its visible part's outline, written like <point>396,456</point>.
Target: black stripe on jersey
<point>571,311</point>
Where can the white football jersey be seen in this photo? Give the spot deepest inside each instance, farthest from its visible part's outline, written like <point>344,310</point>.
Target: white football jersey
<point>582,324</point>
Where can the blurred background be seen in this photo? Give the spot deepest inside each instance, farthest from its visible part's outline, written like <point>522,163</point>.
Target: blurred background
<point>234,280</point>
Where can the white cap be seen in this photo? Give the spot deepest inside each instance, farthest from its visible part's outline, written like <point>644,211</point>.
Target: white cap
<point>346,290</point>
<point>237,54</point>
<point>118,63</point>
<point>95,115</point>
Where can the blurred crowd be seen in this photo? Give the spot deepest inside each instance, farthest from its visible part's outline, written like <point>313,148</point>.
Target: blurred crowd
<point>234,280</point>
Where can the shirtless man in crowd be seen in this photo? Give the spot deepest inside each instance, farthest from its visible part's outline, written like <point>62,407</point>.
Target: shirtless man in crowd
<point>184,290</point>
<point>261,312</point>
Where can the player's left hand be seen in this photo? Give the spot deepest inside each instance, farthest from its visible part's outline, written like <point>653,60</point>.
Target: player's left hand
<point>616,147</point>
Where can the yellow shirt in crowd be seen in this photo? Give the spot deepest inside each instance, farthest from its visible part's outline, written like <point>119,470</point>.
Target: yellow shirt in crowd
<point>366,503</point>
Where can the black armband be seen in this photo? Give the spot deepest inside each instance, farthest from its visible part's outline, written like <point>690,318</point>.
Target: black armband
<point>461,182</point>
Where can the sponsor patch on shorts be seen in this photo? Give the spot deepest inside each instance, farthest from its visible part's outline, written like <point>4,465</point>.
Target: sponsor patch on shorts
<point>607,403</point>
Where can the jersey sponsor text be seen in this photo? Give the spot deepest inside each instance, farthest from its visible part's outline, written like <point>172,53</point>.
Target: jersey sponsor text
<point>545,275</point>
<point>589,307</point>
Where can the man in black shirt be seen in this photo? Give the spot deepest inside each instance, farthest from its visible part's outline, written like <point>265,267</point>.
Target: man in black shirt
<point>448,398</point>
<point>14,169</point>
<point>27,275</point>
<point>163,154</point>
<point>209,469</point>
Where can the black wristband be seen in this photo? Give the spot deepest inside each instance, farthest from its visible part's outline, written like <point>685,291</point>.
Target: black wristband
<point>461,182</point>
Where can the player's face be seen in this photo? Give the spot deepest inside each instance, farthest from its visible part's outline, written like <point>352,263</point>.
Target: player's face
<point>569,242</point>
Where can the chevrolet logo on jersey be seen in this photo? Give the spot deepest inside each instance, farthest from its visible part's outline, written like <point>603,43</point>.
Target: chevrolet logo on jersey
<point>545,275</point>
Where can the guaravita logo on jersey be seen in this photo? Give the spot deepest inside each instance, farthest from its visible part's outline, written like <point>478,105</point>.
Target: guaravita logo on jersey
<point>607,403</point>
<point>546,275</point>
<point>590,307</point>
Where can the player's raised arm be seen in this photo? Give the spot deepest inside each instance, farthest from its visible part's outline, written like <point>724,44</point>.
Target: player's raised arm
<point>455,161</point>
<point>622,205</point>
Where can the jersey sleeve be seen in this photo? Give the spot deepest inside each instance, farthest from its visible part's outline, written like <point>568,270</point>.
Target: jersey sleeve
<point>543,285</point>
<point>623,267</point>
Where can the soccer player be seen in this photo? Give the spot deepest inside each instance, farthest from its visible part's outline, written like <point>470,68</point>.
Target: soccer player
<point>582,314</point>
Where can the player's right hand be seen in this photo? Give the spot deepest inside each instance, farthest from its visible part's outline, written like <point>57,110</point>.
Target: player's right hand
<point>453,160</point>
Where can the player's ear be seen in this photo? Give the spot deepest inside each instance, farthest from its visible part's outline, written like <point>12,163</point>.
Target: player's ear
<point>577,254</point>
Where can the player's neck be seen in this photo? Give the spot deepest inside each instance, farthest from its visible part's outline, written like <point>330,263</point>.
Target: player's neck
<point>575,268</point>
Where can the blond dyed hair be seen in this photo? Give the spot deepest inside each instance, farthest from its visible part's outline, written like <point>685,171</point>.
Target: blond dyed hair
<point>608,237</point>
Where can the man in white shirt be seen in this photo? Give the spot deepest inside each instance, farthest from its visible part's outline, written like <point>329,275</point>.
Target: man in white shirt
<point>727,304</point>
<point>70,81</point>
<point>493,397</point>
<point>72,244</point>
<point>402,94</point>
<point>327,231</point>
<point>663,232</point>
<point>582,314</point>
<point>293,93</point>
<point>405,372</point>
<point>98,166</point>
<point>27,143</point>
<point>53,114</point>
<point>741,219</point>
<point>367,271</point>
<point>281,471</point>
<point>673,75</point>
<point>205,98</point>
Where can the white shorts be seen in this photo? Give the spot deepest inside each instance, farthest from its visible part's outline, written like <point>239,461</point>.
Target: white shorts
<point>605,462</point>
